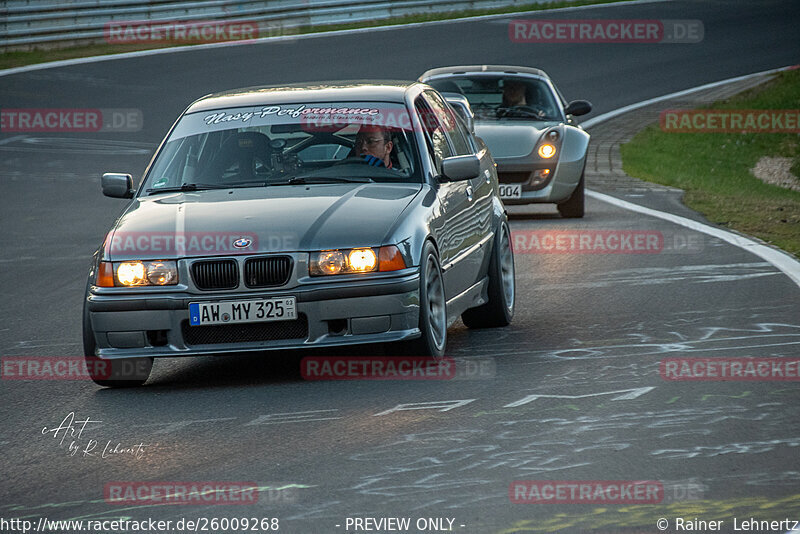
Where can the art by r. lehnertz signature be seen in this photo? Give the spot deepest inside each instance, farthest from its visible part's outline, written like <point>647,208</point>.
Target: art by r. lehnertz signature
<point>71,430</point>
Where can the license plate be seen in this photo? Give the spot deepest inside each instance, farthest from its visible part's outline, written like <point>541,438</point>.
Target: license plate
<point>243,311</point>
<point>510,190</point>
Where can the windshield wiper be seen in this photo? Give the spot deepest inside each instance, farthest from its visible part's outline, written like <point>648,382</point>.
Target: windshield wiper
<point>184,188</point>
<point>243,185</point>
<point>322,180</point>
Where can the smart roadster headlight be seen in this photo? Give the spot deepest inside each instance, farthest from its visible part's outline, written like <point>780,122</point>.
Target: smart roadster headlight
<point>547,150</point>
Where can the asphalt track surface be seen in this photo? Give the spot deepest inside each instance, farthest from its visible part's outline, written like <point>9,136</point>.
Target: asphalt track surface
<point>589,332</point>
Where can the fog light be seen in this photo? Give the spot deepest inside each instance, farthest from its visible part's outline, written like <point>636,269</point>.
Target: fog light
<point>540,176</point>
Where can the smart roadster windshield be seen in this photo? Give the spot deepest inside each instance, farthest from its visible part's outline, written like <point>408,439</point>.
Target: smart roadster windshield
<point>503,97</point>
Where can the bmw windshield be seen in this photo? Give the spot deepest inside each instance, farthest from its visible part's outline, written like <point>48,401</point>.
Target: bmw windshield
<point>285,145</point>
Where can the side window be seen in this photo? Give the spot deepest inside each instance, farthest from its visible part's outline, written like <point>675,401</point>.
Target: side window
<point>434,133</point>
<point>453,127</point>
<point>469,141</point>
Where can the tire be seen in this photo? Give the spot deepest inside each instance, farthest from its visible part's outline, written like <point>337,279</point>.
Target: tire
<point>499,311</point>
<point>432,308</point>
<point>573,206</point>
<point>125,372</point>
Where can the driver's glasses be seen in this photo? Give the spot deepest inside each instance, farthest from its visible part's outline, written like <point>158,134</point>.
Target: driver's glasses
<point>369,141</point>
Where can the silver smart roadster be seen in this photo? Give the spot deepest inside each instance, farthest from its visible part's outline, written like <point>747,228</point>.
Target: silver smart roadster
<point>303,216</point>
<point>539,148</point>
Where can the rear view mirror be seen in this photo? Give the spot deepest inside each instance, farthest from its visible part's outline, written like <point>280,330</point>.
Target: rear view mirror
<point>458,168</point>
<point>578,107</point>
<point>116,185</point>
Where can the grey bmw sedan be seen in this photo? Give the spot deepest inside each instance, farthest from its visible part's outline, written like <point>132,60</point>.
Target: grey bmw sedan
<point>306,216</point>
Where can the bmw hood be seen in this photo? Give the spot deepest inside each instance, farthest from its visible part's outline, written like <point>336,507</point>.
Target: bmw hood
<point>259,219</point>
<point>511,139</point>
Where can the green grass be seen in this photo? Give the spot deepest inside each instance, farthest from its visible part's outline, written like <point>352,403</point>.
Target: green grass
<point>29,57</point>
<point>714,168</point>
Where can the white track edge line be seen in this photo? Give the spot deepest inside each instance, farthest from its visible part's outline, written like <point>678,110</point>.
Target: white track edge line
<point>778,258</point>
<point>594,121</point>
<point>190,48</point>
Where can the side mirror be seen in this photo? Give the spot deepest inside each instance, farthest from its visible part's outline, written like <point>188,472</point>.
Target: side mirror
<point>457,168</point>
<point>578,107</point>
<point>116,185</point>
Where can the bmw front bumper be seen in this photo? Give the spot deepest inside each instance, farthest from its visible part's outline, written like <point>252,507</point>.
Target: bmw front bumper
<point>377,309</point>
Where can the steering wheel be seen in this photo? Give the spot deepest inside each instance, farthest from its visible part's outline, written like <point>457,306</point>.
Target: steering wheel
<point>351,160</point>
<point>529,111</point>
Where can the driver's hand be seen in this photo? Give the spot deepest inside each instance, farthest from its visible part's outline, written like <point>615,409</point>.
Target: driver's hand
<point>373,161</point>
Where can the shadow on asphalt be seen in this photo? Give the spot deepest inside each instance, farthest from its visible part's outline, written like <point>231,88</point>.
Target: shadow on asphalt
<point>242,368</point>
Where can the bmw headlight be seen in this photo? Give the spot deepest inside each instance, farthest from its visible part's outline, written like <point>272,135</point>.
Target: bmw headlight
<point>362,260</point>
<point>137,273</point>
<point>357,260</point>
<point>162,273</point>
<point>131,273</point>
<point>328,262</point>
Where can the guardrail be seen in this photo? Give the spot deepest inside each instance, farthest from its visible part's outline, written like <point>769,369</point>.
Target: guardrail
<point>26,24</point>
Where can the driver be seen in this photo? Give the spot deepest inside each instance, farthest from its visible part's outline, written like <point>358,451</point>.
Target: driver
<point>513,94</point>
<point>374,144</point>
